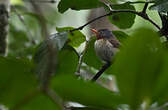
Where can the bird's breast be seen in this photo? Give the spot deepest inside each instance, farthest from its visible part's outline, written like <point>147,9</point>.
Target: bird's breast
<point>104,49</point>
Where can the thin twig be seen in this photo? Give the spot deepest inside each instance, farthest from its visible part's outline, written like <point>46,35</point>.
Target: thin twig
<point>145,7</point>
<point>99,73</point>
<point>81,58</point>
<point>118,11</point>
<point>140,2</point>
<point>81,27</point>
<point>42,1</point>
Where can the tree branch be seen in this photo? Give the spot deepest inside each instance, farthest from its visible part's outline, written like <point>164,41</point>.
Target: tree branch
<point>98,74</point>
<point>42,1</point>
<point>140,2</point>
<point>145,7</point>
<point>4,14</point>
<point>144,16</point>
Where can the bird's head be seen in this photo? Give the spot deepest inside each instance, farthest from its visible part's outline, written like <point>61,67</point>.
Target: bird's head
<point>102,33</point>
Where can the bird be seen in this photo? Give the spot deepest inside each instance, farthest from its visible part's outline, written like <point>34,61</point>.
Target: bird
<point>106,46</point>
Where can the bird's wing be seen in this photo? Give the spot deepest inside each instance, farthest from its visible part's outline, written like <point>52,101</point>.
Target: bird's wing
<point>114,42</point>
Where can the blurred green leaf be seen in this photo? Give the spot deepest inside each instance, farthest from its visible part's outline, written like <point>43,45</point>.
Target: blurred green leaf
<point>75,38</point>
<point>86,93</point>
<point>50,46</point>
<point>123,20</point>
<point>121,36</point>
<point>67,60</point>
<point>160,5</point>
<point>40,102</point>
<point>64,5</point>
<point>18,43</point>
<point>16,2</point>
<point>90,57</point>
<point>161,87</point>
<point>16,80</point>
<point>137,66</point>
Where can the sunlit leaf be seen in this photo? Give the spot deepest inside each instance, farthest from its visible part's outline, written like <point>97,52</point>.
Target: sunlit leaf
<point>75,38</point>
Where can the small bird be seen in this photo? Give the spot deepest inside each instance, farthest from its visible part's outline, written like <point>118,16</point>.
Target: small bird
<point>106,46</point>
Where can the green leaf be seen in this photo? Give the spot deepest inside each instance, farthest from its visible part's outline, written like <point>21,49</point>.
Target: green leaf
<point>86,93</point>
<point>67,60</point>
<point>42,56</point>
<point>137,66</point>
<point>123,20</point>
<point>121,36</point>
<point>40,102</point>
<point>16,80</point>
<point>75,39</point>
<point>90,57</point>
<point>64,5</point>
<point>160,5</point>
<point>161,87</point>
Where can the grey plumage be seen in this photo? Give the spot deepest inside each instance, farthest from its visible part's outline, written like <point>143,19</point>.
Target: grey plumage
<point>106,45</point>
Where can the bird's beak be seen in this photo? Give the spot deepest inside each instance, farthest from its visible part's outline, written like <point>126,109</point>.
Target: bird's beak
<point>95,31</point>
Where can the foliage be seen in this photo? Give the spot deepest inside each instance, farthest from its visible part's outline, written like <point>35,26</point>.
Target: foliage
<point>139,68</point>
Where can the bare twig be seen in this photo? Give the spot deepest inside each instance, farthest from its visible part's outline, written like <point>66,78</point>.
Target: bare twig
<point>145,7</point>
<point>81,58</point>
<point>144,16</point>
<point>140,2</point>
<point>42,1</point>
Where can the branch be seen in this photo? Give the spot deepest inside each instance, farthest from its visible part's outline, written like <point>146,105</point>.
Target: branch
<point>144,16</point>
<point>140,2</point>
<point>81,27</point>
<point>145,7</point>
<point>98,74</point>
<point>81,58</point>
<point>3,28</point>
<point>42,1</point>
